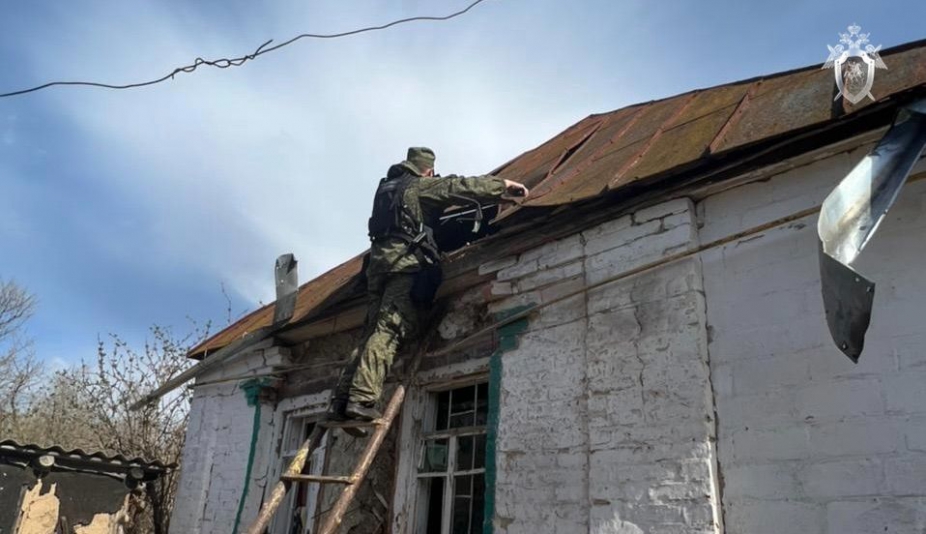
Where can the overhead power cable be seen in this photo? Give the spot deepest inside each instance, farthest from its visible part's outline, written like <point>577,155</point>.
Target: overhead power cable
<point>224,63</point>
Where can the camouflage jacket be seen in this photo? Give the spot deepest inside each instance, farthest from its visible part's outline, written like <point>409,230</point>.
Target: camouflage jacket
<point>428,197</point>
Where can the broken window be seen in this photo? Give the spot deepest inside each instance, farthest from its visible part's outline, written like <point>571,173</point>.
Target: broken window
<point>298,511</point>
<point>451,470</point>
<point>455,228</point>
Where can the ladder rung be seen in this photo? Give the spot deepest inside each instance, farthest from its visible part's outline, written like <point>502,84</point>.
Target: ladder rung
<point>317,478</point>
<point>350,424</point>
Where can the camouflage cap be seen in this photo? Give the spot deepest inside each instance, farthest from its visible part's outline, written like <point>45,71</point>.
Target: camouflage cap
<point>421,157</point>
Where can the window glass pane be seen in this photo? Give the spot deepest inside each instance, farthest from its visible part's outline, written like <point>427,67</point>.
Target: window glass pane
<point>292,435</point>
<point>482,404</point>
<point>463,486</point>
<point>463,400</point>
<point>462,420</point>
<point>478,504</point>
<point>443,407</point>
<point>464,453</point>
<point>434,456</point>
<point>480,452</point>
<point>435,491</point>
<point>461,515</point>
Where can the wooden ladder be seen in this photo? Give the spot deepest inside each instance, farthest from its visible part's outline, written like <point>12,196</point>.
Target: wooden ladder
<point>352,482</point>
<point>294,473</point>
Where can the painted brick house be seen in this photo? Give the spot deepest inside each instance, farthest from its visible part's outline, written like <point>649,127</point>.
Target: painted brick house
<point>700,395</point>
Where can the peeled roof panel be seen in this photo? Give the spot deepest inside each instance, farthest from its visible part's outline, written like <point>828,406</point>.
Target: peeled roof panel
<point>611,126</point>
<point>531,168</point>
<point>593,175</point>
<point>690,137</point>
<point>594,179</point>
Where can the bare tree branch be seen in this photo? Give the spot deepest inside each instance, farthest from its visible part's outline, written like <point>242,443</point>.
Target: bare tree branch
<point>89,407</point>
<point>16,305</point>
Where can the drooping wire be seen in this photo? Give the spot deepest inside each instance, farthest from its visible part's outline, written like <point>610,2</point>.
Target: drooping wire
<point>224,63</point>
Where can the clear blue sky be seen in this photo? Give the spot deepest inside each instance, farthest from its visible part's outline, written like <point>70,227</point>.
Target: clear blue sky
<point>120,209</point>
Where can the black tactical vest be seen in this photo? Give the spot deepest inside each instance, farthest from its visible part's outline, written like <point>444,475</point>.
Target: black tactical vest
<point>392,218</point>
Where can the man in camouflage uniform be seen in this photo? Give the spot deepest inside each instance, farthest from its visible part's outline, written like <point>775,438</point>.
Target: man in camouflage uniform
<point>401,278</point>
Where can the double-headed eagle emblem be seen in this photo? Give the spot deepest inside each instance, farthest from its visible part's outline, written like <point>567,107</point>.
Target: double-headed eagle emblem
<point>853,65</point>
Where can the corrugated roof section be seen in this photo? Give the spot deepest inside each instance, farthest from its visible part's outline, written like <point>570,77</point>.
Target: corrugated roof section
<point>11,446</point>
<point>606,152</point>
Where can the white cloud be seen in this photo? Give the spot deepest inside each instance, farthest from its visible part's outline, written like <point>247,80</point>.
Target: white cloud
<point>234,167</point>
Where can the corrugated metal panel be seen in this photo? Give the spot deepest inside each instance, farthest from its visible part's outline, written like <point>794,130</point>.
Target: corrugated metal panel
<point>79,454</point>
<point>610,151</point>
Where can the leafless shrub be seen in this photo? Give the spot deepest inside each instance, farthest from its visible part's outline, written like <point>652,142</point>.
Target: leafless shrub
<point>19,372</point>
<point>88,407</point>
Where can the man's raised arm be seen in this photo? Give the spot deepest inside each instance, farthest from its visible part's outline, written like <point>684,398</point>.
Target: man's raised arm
<point>480,188</point>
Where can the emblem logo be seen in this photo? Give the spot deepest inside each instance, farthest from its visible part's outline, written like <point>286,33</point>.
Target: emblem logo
<point>853,65</point>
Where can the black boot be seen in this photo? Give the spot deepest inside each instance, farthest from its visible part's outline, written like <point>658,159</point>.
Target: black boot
<point>336,413</point>
<point>362,411</point>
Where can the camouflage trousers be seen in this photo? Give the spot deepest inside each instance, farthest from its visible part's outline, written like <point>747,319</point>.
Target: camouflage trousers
<point>392,318</point>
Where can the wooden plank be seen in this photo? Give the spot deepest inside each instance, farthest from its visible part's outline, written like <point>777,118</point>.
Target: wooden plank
<point>279,490</point>
<point>346,319</point>
<point>321,479</point>
<point>334,518</point>
<point>461,431</point>
<point>220,356</point>
<point>352,424</point>
<point>294,471</point>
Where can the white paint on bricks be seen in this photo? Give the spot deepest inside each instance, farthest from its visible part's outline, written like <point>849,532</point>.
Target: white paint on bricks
<point>808,441</point>
<point>215,456</point>
<point>624,408</point>
<point>615,382</point>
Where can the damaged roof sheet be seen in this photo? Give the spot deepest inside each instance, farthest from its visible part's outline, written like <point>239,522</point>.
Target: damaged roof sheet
<point>606,152</point>
<point>10,447</point>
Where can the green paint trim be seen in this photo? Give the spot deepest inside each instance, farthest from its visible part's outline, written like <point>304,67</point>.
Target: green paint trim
<point>507,340</point>
<point>251,389</point>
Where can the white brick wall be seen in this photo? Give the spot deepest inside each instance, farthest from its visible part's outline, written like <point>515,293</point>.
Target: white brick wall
<point>607,416</point>
<point>215,457</point>
<point>808,441</point>
<point>603,425</point>
<point>608,406</point>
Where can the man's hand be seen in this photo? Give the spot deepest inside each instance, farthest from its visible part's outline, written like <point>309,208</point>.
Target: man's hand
<point>515,190</point>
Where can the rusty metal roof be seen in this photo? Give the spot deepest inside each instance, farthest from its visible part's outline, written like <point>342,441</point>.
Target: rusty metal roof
<point>9,447</point>
<point>606,152</point>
